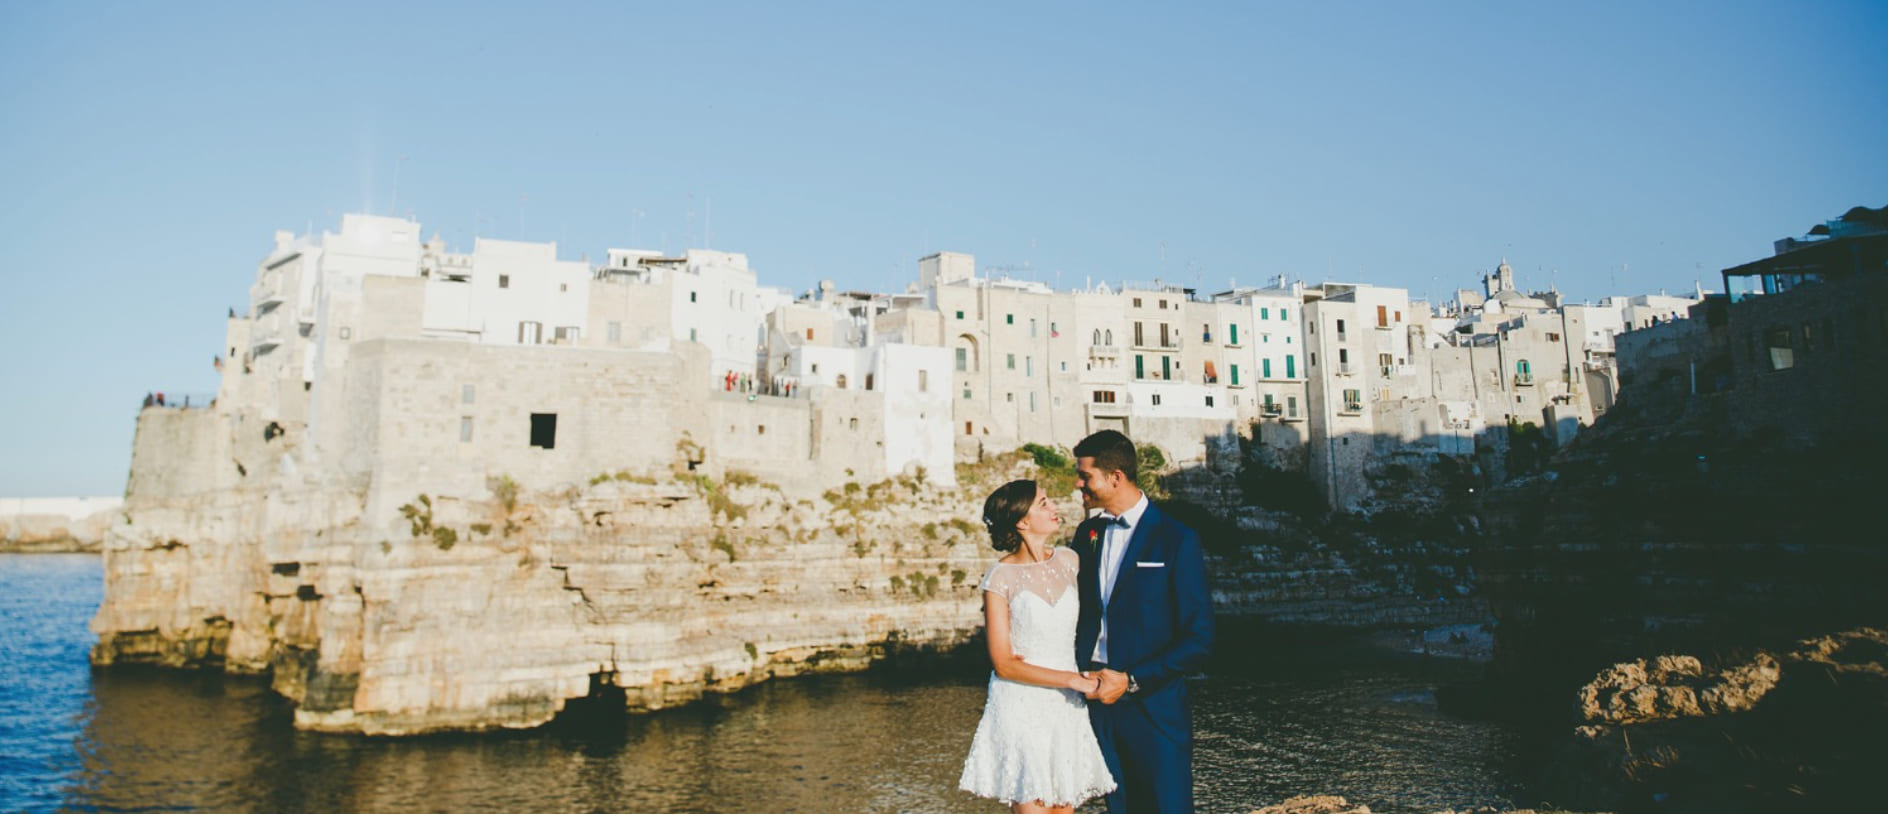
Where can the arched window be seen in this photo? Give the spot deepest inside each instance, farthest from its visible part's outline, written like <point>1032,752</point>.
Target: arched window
<point>842,381</point>
<point>1523,372</point>
<point>1097,337</point>
<point>1108,337</point>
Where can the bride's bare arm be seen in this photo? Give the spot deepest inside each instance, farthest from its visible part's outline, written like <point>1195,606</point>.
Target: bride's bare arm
<point>1008,665</point>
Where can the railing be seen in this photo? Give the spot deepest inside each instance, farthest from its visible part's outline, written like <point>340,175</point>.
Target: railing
<point>1523,380</point>
<point>180,401</point>
<point>1352,408</point>
<point>1103,351</point>
<point>1270,410</point>
<point>1171,343</point>
<point>1343,369</point>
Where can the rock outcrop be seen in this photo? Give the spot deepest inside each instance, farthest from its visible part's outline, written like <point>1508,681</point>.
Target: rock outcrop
<point>496,612</point>
<point>1333,804</point>
<point>1802,729</point>
<point>32,526</point>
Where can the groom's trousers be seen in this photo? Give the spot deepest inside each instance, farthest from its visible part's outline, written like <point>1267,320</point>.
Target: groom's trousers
<point>1152,761</point>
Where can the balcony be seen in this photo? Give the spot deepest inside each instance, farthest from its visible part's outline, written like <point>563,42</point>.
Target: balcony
<point>1523,380</point>
<point>1104,351</point>
<point>1352,408</point>
<point>1344,369</point>
<point>1107,410</point>
<point>1171,343</point>
<point>1270,410</point>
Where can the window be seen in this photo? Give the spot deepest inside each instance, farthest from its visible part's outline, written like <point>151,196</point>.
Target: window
<point>1291,366</point>
<point>1281,313</point>
<point>1340,330</point>
<point>1010,359</point>
<point>691,296</point>
<point>344,334</point>
<point>1163,305</point>
<point>1782,355</point>
<point>1137,302</point>
<point>568,333</point>
<point>1206,333</point>
<point>1291,406</point>
<point>544,430</point>
<point>841,381</point>
<point>616,332</point>
<point>1553,337</point>
<point>924,381</point>
<point>1032,329</point>
<point>1102,397</point>
<point>563,287</point>
<point>1809,338</point>
<point>1523,372</point>
<point>1166,367</point>
<point>1107,337</point>
<point>1232,333</point>
<point>1265,368</point>
<point>1383,316</point>
<point>1009,319</point>
<point>691,335</point>
<point>1235,374</point>
<point>966,398</point>
<point>1029,366</point>
<point>504,281</point>
<point>1265,313</point>
<point>762,429</point>
<point>1032,402</point>
<point>1353,401</point>
<point>1009,398</point>
<point>1097,337</point>
<point>531,333</point>
<point>1137,335</point>
<point>809,334</point>
<point>868,381</point>
<point>852,424</point>
<point>1314,358</point>
<point>963,359</point>
<point>967,426</point>
<point>465,394</point>
<point>465,429</point>
<point>1140,366</point>
<point>1156,399</point>
<point>960,315</point>
<point>1209,401</point>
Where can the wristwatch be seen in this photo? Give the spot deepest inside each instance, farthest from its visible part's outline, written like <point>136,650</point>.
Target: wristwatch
<point>1133,686</point>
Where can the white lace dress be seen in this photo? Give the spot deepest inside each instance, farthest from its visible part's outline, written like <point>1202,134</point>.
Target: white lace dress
<point>1034,743</point>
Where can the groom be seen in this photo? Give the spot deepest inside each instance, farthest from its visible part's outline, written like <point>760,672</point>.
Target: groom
<point>1146,620</point>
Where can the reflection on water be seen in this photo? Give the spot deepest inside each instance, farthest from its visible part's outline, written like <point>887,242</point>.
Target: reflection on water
<point>1272,723</point>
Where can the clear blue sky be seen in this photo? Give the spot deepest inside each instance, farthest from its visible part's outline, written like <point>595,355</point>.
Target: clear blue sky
<point>151,149</point>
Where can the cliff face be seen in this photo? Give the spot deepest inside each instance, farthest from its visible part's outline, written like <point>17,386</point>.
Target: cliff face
<point>495,612</point>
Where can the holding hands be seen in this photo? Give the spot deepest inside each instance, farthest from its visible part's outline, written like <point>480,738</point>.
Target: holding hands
<point>1108,686</point>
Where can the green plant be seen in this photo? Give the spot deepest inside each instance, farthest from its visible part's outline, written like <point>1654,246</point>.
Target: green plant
<point>506,490</point>
<point>929,531</point>
<point>898,584</point>
<point>1150,460</point>
<point>957,577</point>
<point>445,537</point>
<point>419,515</point>
<point>482,528</point>
<point>722,544</point>
<point>752,651</point>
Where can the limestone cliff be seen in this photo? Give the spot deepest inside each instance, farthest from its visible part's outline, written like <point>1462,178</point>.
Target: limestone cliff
<point>495,611</point>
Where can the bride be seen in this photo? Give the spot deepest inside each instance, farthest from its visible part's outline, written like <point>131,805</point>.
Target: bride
<point>1034,748</point>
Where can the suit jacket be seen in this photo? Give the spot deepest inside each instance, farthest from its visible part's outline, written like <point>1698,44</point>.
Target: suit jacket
<point>1160,615</point>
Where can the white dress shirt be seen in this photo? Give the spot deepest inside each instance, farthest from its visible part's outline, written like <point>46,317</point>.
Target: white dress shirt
<point>1114,548</point>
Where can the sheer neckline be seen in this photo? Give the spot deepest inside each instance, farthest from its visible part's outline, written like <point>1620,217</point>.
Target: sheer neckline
<point>1053,553</point>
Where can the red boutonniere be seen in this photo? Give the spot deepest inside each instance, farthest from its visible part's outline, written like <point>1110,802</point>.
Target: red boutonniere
<point>1092,535</point>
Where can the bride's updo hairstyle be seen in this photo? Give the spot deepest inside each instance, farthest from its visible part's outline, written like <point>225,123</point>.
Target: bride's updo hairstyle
<point>1003,509</point>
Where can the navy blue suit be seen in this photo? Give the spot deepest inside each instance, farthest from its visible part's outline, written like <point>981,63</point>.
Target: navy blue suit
<point>1160,626</point>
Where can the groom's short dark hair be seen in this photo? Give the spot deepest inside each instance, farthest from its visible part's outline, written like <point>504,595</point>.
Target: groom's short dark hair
<point>1111,450</point>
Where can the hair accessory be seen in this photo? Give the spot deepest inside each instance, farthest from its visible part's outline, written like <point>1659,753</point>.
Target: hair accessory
<point>988,523</point>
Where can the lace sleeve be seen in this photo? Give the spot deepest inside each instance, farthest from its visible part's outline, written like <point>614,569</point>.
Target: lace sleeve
<point>995,581</point>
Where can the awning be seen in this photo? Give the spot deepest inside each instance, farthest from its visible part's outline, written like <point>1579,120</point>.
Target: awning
<point>1210,372</point>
